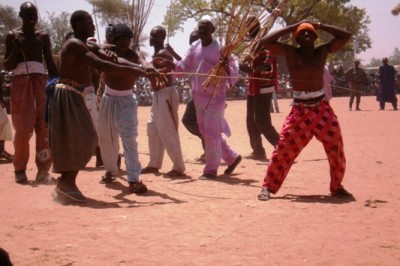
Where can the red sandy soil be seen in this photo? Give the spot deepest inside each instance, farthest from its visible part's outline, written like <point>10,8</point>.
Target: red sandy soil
<point>188,221</point>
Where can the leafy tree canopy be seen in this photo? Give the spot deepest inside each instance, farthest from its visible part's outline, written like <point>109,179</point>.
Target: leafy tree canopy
<point>9,20</point>
<point>335,12</point>
<point>57,26</point>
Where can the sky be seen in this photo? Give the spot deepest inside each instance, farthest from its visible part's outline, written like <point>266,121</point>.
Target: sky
<point>383,32</point>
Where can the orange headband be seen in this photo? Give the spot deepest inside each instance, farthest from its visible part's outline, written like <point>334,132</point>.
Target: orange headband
<point>304,26</point>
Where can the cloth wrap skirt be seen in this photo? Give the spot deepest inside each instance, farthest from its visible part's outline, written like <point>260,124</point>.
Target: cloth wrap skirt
<point>73,138</point>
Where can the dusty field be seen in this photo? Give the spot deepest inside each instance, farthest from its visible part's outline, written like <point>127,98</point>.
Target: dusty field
<point>193,222</point>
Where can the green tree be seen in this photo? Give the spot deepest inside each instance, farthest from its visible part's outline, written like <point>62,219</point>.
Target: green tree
<point>57,26</point>
<point>9,20</point>
<point>134,13</point>
<point>374,62</point>
<point>394,59</point>
<point>336,12</point>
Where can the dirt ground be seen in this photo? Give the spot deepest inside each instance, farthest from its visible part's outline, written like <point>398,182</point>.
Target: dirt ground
<point>188,221</point>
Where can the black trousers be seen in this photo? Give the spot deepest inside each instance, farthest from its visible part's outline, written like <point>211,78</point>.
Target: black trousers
<point>356,95</point>
<point>189,120</point>
<point>258,121</point>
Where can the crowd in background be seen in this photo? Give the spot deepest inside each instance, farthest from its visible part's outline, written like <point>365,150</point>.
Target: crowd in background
<point>238,92</point>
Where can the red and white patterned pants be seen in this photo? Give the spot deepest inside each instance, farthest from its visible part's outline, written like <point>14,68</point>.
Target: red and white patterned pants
<point>300,126</point>
<point>27,114</point>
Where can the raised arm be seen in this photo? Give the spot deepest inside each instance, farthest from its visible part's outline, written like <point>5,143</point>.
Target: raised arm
<point>77,49</point>
<point>48,56</point>
<point>341,36</point>
<point>172,52</point>
<point>271,40</point>
<point>13,51</point>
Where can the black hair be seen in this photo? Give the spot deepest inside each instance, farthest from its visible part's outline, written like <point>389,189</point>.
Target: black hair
<point>121,30</point>
<point>77,17</point>
<point>161,30</point>
<point>26,5</point>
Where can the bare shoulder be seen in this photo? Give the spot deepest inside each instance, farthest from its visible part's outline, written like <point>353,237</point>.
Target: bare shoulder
<point>324,48</point>
<point>132,56</point>
<point>74,46</point>
<point>164,53</point>
<point>14,32</point>
<point>42,33</point>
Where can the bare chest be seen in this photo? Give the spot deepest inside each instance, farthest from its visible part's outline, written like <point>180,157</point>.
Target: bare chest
<point>32,45</point>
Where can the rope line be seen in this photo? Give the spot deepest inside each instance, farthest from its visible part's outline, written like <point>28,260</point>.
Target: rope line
<point>249,78</point>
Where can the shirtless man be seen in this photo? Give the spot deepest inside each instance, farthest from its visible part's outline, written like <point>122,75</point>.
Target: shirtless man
<point>162,127</point>
<point>73,138</point>
<point>118,115</point>
<point>311,114</point>
<point>25,49</point>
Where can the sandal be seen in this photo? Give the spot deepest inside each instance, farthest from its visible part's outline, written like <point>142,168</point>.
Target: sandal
<point>5,155</point>
<point>207,176</point>
<point>107,179</point>
<point>137,187</point>
<point>264,194</point>
<point>149,170</point>
<point>174,173</point>
<point>342,193</point>
<point>74,195</point>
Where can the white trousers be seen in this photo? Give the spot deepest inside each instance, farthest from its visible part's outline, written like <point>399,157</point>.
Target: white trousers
<point>162,129</point>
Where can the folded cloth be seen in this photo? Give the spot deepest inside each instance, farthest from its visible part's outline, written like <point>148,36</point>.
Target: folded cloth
<point>304,26</point>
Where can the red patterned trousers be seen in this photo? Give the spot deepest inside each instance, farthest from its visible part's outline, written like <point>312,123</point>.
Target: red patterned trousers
<point>27,115</point>
<point>300,126</point>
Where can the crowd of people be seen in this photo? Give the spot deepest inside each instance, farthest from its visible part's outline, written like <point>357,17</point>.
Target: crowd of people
<point>72,124</point>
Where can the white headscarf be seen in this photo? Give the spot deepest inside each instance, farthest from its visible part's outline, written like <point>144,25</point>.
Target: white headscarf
<point>208,18</point>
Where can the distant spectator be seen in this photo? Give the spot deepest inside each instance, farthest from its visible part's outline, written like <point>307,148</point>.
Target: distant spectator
<point>387,93</point>
<point>357,78</point>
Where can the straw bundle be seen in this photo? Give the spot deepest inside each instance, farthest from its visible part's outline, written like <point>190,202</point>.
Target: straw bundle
<point>267,23</point>
<point>233,38</point>
<point>138,14</point>
<point>237,30</point>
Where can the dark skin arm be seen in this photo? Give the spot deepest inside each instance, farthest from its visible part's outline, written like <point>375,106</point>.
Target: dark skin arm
<point>75,53</point>
<point>13,51</point>
<point>48,56</point>
<point>172,52</point>
<point>270,41</point>
<point>306,62</point>
<point>105,52</point>
<point>162,81</point>
<point>341,37</point>
<point>1,91</point>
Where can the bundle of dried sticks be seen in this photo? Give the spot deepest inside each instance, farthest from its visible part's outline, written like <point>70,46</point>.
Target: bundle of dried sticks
<point>236,32</point>
<point>267,23</point>
<point>139,12</point>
